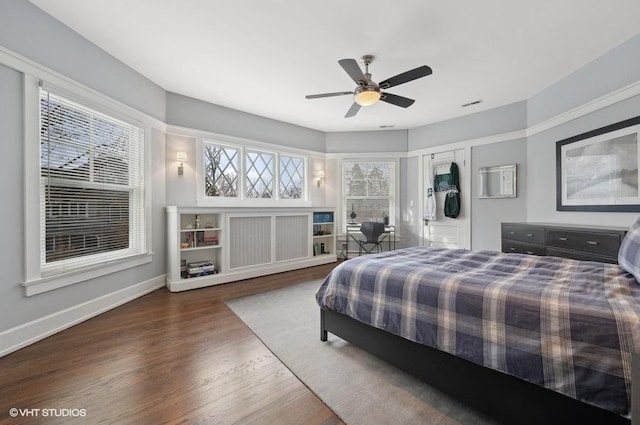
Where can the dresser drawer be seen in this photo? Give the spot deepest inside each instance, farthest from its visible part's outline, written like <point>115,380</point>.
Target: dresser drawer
<point>577,255</point>
<point>523,233</point>
<point>598,243</point>
<point>522,247</point>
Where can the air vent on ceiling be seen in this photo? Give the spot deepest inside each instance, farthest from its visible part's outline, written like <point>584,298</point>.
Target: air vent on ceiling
<point>386,126</point>
<point>475,102</point>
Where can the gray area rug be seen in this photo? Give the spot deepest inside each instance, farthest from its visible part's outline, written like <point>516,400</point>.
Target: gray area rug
<point>358,387</point>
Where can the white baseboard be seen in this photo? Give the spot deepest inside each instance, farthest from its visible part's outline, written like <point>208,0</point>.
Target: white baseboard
<point>248,273</point>
<point>20,336</point>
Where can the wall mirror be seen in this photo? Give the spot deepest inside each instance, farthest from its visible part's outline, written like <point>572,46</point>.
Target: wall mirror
<point>498,182</point>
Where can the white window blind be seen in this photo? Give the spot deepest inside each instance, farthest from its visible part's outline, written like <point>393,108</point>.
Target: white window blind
<point>92,186</point>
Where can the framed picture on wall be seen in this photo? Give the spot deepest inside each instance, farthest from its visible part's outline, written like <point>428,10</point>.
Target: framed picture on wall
<point>598,170</point>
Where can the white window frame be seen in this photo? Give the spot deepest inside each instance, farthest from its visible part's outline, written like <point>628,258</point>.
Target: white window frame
<point>240,171</point>
<point>279,173</point>
<point>242,200</point>
<point>345,206</point>
<point>275,181</point>
<point>39,278</point>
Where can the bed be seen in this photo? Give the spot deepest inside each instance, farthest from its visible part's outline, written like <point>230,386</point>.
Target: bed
<point>525,339</point>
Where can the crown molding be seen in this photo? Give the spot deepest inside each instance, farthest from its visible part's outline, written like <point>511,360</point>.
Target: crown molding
<point>30,67</point>
<point>488,140</point>
<point>594,105</point>
<point>236,140</point>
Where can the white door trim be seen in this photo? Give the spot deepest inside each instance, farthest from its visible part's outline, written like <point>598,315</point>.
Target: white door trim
<point>465,195</point>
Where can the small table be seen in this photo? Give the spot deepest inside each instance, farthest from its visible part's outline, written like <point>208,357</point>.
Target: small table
<point>353,229</point>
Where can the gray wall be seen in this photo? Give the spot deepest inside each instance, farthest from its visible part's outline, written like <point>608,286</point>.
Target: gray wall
<point>181,190</point>
<point>367,141</point>
<point>610,72</point>
<point>30,32</point>
<point>188,112</point>
<point>504,119</point>
<point>537,181</point>
<point>541,154</point>
<point>487,214</point>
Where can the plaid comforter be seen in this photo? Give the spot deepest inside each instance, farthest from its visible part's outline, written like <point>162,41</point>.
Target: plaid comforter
<point>567,325</point>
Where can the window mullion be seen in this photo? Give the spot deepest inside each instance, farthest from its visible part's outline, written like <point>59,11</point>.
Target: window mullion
<point>260,175</point>
<point>276,177</point>
<point>91,150</point>
<point>242,178</point>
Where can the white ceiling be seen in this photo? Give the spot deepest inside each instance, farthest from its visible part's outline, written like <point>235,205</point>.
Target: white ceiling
<point>263,57</point>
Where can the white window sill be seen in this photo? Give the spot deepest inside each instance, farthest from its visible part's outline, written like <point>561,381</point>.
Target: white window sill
<point>49,283</point>
<point>251,203</point>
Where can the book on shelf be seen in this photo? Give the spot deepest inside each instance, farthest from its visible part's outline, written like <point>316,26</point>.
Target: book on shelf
<point>200,268</point>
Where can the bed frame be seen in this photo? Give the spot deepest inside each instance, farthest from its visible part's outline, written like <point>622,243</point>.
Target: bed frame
<point>503,397</point>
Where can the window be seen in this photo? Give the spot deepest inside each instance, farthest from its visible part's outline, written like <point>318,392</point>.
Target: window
<point>239,173</point>
<point>220,171</point>
<point>291,177</point>
<point>91,186</point>
<point>368,188</point>
<point>259,174</point>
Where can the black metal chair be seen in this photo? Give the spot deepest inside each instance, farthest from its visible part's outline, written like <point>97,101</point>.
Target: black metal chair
<point>372,231</point>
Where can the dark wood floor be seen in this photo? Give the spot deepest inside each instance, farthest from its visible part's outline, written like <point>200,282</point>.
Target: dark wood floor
<point>163,358</point>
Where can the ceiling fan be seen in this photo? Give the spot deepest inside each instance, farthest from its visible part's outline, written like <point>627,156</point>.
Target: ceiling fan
<point>367,92</point>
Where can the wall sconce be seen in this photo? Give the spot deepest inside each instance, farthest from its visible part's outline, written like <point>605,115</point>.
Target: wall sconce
<point>320,178</point>
<point>182,157</point>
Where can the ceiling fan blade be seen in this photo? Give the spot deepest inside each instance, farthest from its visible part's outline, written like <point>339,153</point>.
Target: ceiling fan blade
<point>316,96</point>
<point>353,110</point>
<point>394,99</point>
<point>405,77</point>
<point>352,68</point>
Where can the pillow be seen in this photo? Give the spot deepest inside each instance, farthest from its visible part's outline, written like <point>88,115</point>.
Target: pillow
<point>629,254</point>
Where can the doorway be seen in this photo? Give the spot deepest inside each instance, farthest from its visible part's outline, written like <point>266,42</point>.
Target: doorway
<point>444,231</point>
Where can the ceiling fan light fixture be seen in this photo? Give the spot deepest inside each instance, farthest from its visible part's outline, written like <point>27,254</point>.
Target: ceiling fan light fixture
<point>367,92</point>
<point>367,96</point>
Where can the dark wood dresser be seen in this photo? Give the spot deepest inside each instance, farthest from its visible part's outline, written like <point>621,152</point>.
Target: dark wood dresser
<point>590,243</point>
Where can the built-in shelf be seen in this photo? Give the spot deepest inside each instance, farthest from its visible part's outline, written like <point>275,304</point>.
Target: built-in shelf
<point>323,230</point>
<point>201,247</point>
<point>249,242</point>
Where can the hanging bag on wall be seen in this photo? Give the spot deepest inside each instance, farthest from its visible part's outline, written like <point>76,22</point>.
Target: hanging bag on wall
<point>430,196</point>
<point>452,199</point>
